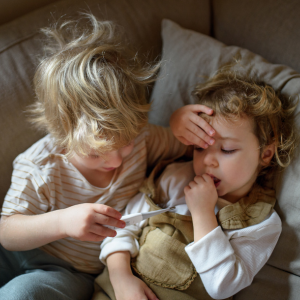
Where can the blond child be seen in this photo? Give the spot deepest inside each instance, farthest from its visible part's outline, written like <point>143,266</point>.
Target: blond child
<point>91,101</point>
<point>224,228</point>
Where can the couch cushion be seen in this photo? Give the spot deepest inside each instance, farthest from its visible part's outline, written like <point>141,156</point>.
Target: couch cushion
<point>191,57</point>
<point>21,44</point>
<point>13,9</point>
<point>272,284</point>
<point>269,28</point>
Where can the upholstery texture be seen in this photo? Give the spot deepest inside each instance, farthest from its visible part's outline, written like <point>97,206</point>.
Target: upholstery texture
<point>191,57</point>
<point>12,9</point>
<point>269,28</point>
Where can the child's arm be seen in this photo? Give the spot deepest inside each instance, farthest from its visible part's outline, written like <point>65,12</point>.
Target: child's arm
<point>226,261</point>
<point>126,239</point>
<point>116,254</point>
<point>190,128</point>
<point>126,285</point>
<point>83,222</point>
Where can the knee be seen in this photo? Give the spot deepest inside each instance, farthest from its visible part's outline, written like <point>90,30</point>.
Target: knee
<point>23,287</point>
<point>47,286</point>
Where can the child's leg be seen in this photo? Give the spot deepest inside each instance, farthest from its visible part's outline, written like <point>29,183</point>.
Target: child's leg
<point>9,266</point>
<point>38,275</point>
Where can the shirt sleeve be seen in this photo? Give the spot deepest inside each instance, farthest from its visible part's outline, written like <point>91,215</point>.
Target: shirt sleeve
<point>29,190</point>
<point>126,238</point>
<point>227,261</point>
<point>162,145</point>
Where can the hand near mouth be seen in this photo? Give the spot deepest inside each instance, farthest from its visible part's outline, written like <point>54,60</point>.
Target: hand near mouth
<point>216,180</point>
<point>201,197</point>
<point>201,193</point>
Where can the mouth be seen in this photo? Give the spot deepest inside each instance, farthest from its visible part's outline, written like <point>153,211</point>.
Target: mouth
<point>109,169</point>
<point>216,180</point>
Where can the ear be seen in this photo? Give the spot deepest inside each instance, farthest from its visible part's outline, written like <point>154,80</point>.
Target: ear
<point>267,154</point>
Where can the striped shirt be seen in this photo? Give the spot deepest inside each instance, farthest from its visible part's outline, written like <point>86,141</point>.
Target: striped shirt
<point>44,180</point>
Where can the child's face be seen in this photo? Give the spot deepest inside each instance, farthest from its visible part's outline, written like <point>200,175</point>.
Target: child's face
<point>234,159</point>
<point>106,163</point>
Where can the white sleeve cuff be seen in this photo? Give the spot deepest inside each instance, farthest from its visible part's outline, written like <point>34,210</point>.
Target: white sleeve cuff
<point>111,245</point>
<point>209,251</point>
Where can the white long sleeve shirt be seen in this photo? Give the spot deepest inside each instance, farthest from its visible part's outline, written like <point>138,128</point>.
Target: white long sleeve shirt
<point>226,260</point>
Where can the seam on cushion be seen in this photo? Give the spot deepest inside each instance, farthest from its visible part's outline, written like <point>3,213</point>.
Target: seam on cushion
<point>17,42</point>
<point>282,86</point>
<point>279,269</point>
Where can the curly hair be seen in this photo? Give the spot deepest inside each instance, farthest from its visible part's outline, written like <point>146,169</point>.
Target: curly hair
<point>90,87</point>
<point>233,96</point>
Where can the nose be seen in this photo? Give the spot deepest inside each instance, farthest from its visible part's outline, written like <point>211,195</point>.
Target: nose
<point>210,159</point>
<point>115,159</point>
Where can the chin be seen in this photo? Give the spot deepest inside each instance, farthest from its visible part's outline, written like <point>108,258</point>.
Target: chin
<point>220,194</point>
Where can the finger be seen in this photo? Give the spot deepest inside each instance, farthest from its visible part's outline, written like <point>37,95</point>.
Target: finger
<point>106,220</point>
<point>150,295</point>
<point>186,189</point>
<point>192,184</point>
<point>184,141</point>
<point>201,108</point>
<point>199,179</point>
<point>107,210</point>
<point>199,133</point>
<point>92,237</point>
<point>102,231</point>
<point>195,140</point>
<point>200,122</point>
<point>207,178</point>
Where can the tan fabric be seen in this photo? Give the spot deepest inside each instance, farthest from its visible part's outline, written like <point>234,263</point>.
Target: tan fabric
<point>168,266</point>
<point>248,211</point>
<point>103,287</point>
<point>105,291</point>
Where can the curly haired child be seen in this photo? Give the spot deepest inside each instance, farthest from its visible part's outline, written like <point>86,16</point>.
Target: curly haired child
<point>91,100</point>
<point>224,228</point>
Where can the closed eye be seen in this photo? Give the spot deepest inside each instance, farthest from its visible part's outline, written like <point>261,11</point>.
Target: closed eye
<point>93,156</point>
<point>228,151</point>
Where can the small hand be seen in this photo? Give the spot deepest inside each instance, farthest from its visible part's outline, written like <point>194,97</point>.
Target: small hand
<point>201,197</point>
<point>84,221</point>
<point>133,288</point>
<point>189,128</point>
<point>201,194</point>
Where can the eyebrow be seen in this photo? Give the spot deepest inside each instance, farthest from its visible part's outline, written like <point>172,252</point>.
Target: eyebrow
<point>229,138</point>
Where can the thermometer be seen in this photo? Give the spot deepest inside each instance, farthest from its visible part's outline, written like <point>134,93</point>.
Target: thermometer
<point>138,217</point>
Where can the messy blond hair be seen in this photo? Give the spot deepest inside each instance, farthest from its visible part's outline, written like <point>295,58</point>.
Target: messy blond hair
<point>233,96</point>
<point>90,88</point>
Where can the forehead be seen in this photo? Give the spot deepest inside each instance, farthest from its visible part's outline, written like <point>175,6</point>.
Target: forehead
<point>237,130</point>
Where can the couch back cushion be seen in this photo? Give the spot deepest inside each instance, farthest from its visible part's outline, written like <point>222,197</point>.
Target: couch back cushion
<point>21,46</point>
<point>12,9</point>
<point>268,28</point>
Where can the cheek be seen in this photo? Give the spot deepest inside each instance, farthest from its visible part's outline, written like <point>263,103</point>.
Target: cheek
<point>243,168</point>
<point>127,150</point>
<point>94,163</point>
<point>198,163</point>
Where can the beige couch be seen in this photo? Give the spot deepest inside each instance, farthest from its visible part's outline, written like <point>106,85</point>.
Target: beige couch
<point>268,28</point>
